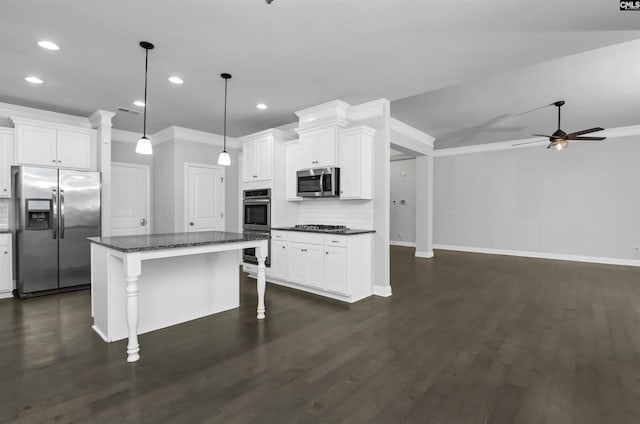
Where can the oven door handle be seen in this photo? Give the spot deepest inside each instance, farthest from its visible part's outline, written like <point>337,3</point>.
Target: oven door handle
<point>322,183</point>
<point>256,202</point>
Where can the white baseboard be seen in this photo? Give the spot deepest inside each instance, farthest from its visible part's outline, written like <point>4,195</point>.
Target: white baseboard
<point>6,294</point>
<point>402,243</point>
<point>428,254</point>
<point>541,255</point>
<point>383,291</point>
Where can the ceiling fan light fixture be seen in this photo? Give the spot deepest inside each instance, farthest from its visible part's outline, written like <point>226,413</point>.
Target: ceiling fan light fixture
<point>559,145</point>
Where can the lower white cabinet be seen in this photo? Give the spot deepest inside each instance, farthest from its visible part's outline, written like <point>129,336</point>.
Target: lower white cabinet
<point>335,266</point>
<point>6,274</point>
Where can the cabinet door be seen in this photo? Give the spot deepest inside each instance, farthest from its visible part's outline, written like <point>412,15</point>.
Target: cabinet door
<point>315,266</point>
<point>292,165</point>
<point>350,166</point>
<point>326,147</point>
<point>6,283</point>
<point>6,141</point>
<point>308,151</point>
<point>335,269</point>
<point>74,149</point>
<point>36,145</point>
<point>296,260</point>
<point>264,158</point>
<point>279,260</point>
<point>250,155</point>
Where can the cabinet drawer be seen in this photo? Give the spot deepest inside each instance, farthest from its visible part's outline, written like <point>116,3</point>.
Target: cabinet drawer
<point>5,239</point>
<point>301,237</point>
<point>279,235</point>
<point>336,241</point>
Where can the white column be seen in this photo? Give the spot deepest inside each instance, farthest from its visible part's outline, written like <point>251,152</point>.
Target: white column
<point>261,254</point>
<point>101,120</point>
<point>132,270</point>
<point>424,206</point>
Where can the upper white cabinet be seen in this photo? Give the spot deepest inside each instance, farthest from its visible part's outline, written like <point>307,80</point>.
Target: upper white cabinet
<point>52,145</point>
<point>292,160</point>
<point>318,147</point>
<point>6,274</point>
<point>355,147</point>
<point>258,158</point>
<point>6,155</point>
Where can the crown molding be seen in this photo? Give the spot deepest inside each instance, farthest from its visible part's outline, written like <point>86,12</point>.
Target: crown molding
<point>179,134</point>
<point>274,132</point>
<point>333,110</point>
<point>618,132</point>
<point>8,110</point>
<point>36,122</point>
<point>358,129</point>
<point>368,110</point>
<point>101,118</point>
<point>407,130</point>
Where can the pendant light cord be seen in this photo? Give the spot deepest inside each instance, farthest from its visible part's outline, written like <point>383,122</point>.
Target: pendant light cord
<point>146,68</point>
<point>224,149</point>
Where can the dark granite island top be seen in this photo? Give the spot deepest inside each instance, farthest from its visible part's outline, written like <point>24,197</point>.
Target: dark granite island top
<point>346,232</point>
<point>142,243</point>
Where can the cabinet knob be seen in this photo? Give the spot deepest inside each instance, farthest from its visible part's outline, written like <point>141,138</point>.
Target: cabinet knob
<point>54,161</point>
<point>326,253</point>
<point>255,176</point>
<point>5,189</point>
<point>6,253</point>
<point>191,223</point>
<point>283,247</point>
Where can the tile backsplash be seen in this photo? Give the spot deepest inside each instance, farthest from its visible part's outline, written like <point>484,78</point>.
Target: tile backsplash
<point>4,214</point>
<point>352,213</point>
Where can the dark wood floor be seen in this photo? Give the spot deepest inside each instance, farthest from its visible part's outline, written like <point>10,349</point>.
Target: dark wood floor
<point>466,338</point>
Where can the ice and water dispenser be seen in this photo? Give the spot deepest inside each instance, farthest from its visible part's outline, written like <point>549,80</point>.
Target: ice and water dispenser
<point>38,214</point>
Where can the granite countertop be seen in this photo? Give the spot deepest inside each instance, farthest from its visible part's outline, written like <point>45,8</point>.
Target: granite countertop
<point>349,232</point>
<point>143,243</point>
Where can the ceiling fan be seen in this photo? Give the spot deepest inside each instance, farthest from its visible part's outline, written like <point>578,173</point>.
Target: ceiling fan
<point>559,140</point>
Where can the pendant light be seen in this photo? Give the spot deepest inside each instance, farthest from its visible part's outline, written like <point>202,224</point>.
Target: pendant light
<point>224,158</point>
<point>143,146</point>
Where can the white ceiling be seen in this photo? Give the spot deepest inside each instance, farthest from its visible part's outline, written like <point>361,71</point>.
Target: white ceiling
<point>291,54</point>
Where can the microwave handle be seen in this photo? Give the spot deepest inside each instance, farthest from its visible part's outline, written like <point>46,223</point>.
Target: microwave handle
<point>322,183</point>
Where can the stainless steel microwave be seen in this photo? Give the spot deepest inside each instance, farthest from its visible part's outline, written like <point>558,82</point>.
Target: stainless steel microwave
<point>319,182</point>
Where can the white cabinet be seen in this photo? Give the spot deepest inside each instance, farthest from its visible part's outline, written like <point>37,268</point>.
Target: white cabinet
<point>50,145</point>
<point>335,269</point>
<point>6,155</point>
<point>279,260</point>
<point>318,148</point>
<point>336,266</point>
<point>355,150</point>
<point>6,274</point>
<point>292,161</point>
<point>258,159</point>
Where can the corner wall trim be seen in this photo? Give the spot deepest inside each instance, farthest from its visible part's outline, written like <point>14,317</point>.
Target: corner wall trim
<point>541,255</point>
<point>402,243</point>
<point>428,254</point>
<point>382,291</point>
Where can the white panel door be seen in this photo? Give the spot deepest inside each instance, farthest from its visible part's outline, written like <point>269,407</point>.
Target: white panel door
<point>205,198</point>
<point>130,199</point>
<point>36,145</point>
<point>74,149</point>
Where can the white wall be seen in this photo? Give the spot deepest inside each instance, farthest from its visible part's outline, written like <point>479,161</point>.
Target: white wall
<point>403,187</point>
<point>163,188</point>
<point>583,201</point>
<point>126,153</point>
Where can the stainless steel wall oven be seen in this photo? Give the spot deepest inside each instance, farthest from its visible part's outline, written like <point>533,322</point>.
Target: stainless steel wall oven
<point>256,218</point>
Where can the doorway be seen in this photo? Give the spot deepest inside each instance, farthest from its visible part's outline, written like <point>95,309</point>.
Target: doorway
<point>130,211</point>
<point>204,198</point>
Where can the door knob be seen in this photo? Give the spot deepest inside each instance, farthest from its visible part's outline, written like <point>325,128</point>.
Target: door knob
<point>143,222</point>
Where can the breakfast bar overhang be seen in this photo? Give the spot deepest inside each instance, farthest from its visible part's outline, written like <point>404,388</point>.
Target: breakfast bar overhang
<point>143,283</point>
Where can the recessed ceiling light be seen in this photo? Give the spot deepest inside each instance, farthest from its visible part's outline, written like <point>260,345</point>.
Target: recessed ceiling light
<point>139,103</point>
<point>49,45</point>
<point>176,80</point>
<point>33,80</point>
<point>261,106</point>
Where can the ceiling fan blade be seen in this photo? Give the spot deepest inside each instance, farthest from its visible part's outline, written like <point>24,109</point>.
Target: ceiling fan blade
<point>588,138</point>
<point>550,137</point>
<point>590,130</point>
<point>526,142</point>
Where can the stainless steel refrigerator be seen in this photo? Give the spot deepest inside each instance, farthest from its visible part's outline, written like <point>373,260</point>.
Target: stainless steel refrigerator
<point>56,210</point>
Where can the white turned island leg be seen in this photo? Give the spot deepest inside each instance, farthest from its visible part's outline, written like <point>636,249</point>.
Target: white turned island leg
<point>261,253</point>
<point>132,268</point>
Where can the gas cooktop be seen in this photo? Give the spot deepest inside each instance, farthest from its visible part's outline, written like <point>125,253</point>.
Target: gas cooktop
<point>325,228</point>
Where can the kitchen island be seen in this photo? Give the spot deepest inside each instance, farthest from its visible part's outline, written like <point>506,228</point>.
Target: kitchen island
<point>146,282</point>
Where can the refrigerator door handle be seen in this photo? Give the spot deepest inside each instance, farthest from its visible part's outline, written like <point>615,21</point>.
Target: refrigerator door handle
<point>61,214</point>
<point>54,225</point>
